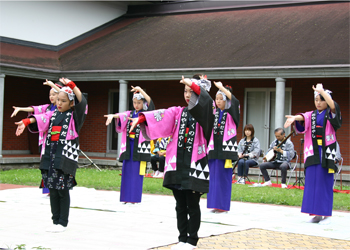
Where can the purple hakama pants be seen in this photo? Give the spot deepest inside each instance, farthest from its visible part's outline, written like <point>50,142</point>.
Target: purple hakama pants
<point>132,181</point>
<point>318,191</point>
<point>220,185</point>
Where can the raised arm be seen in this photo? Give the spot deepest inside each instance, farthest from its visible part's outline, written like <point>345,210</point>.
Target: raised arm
<point>326,97</point>
<point>138,89</point>
<point>71,84</point>
<point>223,89</point>
<point>186,81</point>
<point>52,85</point>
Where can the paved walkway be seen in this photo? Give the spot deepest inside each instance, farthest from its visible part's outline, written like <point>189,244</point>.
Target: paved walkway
<point>99,221</point>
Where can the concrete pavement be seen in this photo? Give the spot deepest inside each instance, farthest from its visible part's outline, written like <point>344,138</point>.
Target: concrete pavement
<point>99,221</point>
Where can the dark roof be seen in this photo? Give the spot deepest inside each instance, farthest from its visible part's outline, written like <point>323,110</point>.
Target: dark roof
<point>310,34</point>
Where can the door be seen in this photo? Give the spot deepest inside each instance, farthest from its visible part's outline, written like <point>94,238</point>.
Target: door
<point>260,112</point>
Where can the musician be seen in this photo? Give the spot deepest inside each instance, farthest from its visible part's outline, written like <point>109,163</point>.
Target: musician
<point>284,154</point>
<point>248,153</point>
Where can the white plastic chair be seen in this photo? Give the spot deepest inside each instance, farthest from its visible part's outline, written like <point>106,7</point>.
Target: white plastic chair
<point>339,172</point>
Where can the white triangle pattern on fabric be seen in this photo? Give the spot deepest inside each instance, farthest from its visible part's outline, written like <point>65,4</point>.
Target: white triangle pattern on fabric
<point>193,165</point>
<point>202,176</point>
<point>199,167</point>
<point>71,152</point>
<point>330,157</point>
<point>199,171</point>
<point>173,160</point>
<point>308,151</point>
<point>194,174</point>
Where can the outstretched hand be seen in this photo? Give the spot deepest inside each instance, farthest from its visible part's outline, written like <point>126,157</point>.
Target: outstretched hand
<point>110,118</point>
<point>290,120</point>
<point>20,128</point>
<point>186,81</point>
<point>134,123</point>
<point>17,109</point>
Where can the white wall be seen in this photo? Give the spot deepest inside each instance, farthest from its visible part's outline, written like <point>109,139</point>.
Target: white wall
<point>54,22</point>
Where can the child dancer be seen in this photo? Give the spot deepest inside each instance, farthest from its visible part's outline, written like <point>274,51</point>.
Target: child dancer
<point>319,127</point>
<point>186,164</point>
<point>41,109</point>
<point>222,149</point>
<point>59,157</point>
<point>135,150</point>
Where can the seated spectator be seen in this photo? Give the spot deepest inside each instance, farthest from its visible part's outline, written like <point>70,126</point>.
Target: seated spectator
<point>248,153</point>
<point>159,156</point>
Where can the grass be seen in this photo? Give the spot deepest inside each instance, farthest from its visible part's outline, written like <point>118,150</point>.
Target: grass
<point>111,179</point>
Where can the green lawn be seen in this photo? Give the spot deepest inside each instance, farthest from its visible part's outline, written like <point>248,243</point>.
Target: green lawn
<point>110,180</point>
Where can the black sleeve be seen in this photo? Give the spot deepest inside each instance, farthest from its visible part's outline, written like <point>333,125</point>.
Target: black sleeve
<point>234,109</point>
<point>33,127</point>
<point>336,122</point>
<point>201,108</point>
<point>79,113</point>
<point>151,106</point>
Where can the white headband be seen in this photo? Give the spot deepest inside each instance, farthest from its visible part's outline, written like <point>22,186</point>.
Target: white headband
<point>69,92</point>
<point>204,83</point>
<point>328,92</point>
<point>223,95</point>
<point>139,96</point>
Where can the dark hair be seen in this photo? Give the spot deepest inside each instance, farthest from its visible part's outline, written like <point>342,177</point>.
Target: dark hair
<point>229,88</point>
<point>249,127</point>
<point>280,129</point>
<point>197,76</point>
<point>323,98</point>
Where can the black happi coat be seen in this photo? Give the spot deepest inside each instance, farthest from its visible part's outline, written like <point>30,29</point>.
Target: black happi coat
<point>67,153</point>
<point>140,152</point>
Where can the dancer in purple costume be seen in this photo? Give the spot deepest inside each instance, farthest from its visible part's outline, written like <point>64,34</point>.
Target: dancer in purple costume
<point>319,128</point>
<point>135,151</point>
